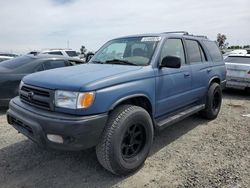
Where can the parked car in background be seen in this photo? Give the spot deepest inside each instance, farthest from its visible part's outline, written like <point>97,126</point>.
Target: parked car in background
<point>33,53</point>
<point>238,71</point>
<point>12,71</point>
<point>131,87</point>
<point>237,52</point>
<point>4,58</point>
<point>8,55</point>
<point>63,52</point>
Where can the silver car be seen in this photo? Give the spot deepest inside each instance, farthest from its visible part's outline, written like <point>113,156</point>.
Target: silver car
<point>238,71</point>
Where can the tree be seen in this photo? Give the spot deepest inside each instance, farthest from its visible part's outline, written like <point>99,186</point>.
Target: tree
<point>221,40</point>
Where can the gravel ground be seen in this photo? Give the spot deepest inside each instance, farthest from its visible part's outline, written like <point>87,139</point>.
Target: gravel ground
<point>192,153</point>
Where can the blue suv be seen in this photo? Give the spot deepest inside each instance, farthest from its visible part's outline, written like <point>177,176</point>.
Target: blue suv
<point>132,87</point>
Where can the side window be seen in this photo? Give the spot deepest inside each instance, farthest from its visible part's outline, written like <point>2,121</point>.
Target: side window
<point>39,68</point>
<point>194,51</point>
<point>213,51</point>
<point>54,64</point>
<point>173,47</point>
<point>55,53</point>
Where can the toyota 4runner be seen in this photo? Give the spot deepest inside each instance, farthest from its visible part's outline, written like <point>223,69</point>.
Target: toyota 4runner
<point>132,87</point>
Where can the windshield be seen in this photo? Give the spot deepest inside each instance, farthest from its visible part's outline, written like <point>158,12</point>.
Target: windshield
<point>238,59</point>
<point>16,62</point>
<point>130,51</point>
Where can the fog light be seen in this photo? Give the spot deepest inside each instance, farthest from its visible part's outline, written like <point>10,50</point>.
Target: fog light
<point>55,138</point>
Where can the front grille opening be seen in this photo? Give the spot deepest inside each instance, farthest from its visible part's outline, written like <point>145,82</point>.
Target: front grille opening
<point>36,91</point>
<point>38,97</point>
<point>16,122</point>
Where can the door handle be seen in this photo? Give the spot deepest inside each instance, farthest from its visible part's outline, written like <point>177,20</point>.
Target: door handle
<point>186,74</point>
<point>209,70</point>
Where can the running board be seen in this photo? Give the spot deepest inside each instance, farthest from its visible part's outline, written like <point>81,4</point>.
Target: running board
<point>161,124</point>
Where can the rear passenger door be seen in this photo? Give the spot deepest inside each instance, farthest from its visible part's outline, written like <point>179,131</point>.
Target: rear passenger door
<point>200,67</point>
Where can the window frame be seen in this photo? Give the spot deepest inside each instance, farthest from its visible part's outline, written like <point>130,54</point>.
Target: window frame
<point>201,48</point>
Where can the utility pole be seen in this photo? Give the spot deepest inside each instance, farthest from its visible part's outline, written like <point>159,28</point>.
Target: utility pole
<point>67,43</point>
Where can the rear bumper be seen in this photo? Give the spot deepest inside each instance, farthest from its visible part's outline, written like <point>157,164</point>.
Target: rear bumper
<point>237,83</point>
<point>78,132</point>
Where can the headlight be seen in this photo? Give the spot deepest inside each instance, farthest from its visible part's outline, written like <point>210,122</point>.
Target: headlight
<point>74,100</point>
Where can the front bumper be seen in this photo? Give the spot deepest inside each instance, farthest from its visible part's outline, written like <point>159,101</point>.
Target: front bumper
<point>4,102</point>
<point>78,132</point>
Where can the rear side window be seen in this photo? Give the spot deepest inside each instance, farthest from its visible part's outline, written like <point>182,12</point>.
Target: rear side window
<point>213,51</point>
<point>194,51</point>
<point>16,62</point>
<point>238,59</point>
<point>55,53</point>
<point>54,64</point>
<point>71,53</point>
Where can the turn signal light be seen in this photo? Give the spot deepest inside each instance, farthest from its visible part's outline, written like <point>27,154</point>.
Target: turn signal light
<point>87,99</point>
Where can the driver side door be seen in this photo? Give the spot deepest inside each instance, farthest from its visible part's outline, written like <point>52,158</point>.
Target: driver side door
<point>173,85</point>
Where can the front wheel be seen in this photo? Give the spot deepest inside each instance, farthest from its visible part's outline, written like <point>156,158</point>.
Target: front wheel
<point>126,140</point>
<point>213,102</point>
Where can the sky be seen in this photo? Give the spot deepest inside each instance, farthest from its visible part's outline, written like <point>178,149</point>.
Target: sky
<point>38,24</point>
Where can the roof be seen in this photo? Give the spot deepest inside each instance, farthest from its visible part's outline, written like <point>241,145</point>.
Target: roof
<point>168,34</point>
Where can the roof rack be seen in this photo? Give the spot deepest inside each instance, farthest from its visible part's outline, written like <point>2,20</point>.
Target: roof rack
<point>184,32</point>
<point>200,36</point>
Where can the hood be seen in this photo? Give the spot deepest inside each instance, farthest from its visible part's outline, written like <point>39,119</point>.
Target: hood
<point>84,77</point>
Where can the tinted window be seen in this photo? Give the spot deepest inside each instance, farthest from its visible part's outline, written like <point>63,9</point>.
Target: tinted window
<point>193,49</point>
<point>71,53</point>
<point>39,68</point>
<point>213,51</point>
<point>54,64</point>
<point>173,47</point>
<point>55,53</point>
<point>238,59</point>
<point>16,62</point>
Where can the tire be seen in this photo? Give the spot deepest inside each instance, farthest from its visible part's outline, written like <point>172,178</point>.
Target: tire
<point>213,102</point>
<point>126,140</point>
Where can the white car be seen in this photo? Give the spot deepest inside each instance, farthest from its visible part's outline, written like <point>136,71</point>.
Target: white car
<point>238,71</point>
<point>64,52</point>
<point>3,58</point>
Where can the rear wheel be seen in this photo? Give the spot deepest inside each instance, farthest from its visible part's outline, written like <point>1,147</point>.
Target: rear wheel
<point>213,102</point>
<point>126,140</point>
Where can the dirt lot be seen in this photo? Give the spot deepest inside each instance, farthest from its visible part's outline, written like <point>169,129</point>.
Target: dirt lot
<point>192,153</point>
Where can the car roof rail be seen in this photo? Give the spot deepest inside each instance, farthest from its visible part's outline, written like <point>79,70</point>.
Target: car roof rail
<point>200,36</point>
<point>181,32</point>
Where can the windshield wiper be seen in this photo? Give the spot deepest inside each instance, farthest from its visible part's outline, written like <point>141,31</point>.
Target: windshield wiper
<point>99,62</point>
<point>120,61</point>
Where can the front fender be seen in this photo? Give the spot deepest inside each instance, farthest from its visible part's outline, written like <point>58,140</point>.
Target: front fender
<point>107,98</point>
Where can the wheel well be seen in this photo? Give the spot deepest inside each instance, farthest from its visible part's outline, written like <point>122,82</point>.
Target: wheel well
<point>138,101</point>
<point>215,80</point>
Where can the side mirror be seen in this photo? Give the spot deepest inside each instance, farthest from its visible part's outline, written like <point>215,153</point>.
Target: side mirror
<point>171,62</point>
